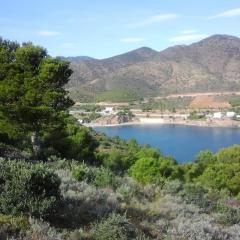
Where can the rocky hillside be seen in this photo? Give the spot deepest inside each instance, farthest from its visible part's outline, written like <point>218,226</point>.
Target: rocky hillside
<point>212,64</point>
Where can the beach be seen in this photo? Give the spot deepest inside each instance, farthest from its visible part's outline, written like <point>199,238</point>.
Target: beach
<point>198,123</point>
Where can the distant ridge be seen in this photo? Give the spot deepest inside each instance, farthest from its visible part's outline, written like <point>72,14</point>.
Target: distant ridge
<point>212,64</point>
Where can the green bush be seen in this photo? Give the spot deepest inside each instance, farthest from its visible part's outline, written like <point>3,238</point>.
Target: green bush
<point>148,152</point>
<point>204,158</point>
<point>82,172</point>
<point>103,177</point>
<point>27,189</point>
<point>118,161</point>
<point>229,155</point>
<point>222,176</point>
<point>115,227</point>
<point>81,144</point>
<point>71,141</point>
<point>152,170</point>
<point>99,177</point>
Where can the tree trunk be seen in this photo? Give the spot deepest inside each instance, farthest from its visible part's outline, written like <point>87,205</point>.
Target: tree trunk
<point>36,145</point>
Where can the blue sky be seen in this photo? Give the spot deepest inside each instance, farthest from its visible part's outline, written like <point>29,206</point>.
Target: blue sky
<point>103,28</point>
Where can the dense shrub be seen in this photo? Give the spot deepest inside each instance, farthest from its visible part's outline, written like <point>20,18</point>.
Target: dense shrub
<point>118,161</point>
<point>27,189</point>
<point>81,144</point>
<point>193,193</point>
<point>229,155</point>
<point>99,177</point>
<point>148,152</point>
<point>103,177</point>
<point>71,141</point>
<point>115,227</point>
<point>222,176</point>
<point>80,172</point>
<point>204,158</point>
<point>152,170</point>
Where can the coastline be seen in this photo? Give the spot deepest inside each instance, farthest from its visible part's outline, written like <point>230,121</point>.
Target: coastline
<point>220,123</point>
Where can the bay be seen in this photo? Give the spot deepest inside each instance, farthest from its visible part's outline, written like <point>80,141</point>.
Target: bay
<point>179,141</point>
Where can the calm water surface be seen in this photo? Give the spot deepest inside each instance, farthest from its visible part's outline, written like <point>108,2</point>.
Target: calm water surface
<point>181,142</point>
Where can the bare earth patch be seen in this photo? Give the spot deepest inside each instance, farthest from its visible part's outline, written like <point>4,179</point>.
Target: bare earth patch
<point>207,102</point>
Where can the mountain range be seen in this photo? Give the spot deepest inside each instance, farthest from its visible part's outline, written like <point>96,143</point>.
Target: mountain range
<point>212,64</point>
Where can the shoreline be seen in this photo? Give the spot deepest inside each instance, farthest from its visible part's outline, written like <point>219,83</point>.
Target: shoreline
<point>218,124</point>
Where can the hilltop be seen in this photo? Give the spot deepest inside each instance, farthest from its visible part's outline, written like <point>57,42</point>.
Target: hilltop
<point>212,64</point>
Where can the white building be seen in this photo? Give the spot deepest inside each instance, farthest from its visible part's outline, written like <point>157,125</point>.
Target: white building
<point>230,114</point>
<point>80,121</point>
<point>108,111</point>
<point>217,115</point>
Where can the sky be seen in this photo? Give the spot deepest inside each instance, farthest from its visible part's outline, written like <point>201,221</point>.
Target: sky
<point>104,28</point>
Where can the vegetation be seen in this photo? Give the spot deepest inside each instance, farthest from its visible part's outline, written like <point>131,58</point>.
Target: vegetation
<point>31,89</point>
<point>85,185</point>
<point>117,96</point>
<point>27,189</point>
<point>166,104</point>
<point>195,115</point>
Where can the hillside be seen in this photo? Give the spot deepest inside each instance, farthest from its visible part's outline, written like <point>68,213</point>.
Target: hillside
<point>212,64</point>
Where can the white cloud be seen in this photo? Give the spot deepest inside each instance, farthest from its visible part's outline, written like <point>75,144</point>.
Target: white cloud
<point>155,19</point>
<point>188,31</point>
<point>46,33</point>
<point>132,40</point>
<point>230,13</point>
<point>188,38</point>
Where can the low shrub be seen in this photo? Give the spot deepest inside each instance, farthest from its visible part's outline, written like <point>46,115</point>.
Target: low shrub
<point>103,177</point>
<point>80,172</point>
<point>27,189</point>
<point>114,227</point>
<point>12,226</point>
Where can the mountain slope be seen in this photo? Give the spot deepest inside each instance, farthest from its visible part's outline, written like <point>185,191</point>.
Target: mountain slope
<point>212,64</point>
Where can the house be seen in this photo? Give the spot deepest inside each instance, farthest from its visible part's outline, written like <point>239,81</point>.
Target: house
<point>217,115</point>
<point>80,121</point>
<point>109,109</point>
<point>230,114</point>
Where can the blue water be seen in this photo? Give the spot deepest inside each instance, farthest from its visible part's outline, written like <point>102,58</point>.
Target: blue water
<point>181,142</point>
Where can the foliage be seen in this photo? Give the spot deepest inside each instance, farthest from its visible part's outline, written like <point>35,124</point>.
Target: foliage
<point>81,172</point>
<point>81,143</point>
<point>166,104</point>
<point>114,227</point>
<point>103,177</point>
<point>229,155</point>
<point>235,102</point>
<point>222,176</point>
<point>152,170</point>
<point>118,161</point>
<point>31,88</point>
<point>205,158</point>
<point>195,115</point>
<point>12,226</point>
<point>27,189</point>
<point>117,96</point>
<point>71,140</point>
